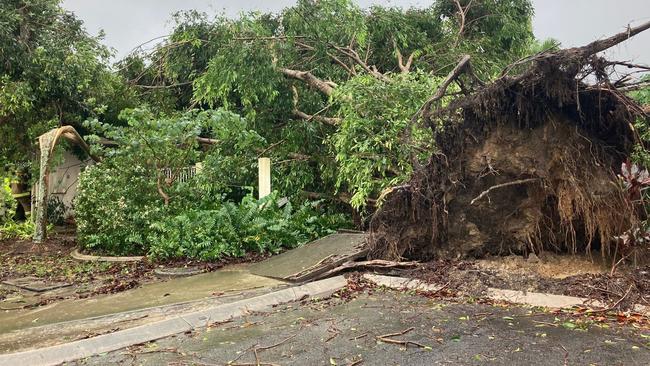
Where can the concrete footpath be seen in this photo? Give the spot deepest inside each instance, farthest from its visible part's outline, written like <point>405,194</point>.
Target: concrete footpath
<point>186,323</point>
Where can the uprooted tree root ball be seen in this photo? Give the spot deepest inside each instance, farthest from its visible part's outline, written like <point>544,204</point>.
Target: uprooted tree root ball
<point>524,164</point>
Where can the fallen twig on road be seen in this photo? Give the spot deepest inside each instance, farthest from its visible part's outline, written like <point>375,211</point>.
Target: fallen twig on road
<point>615,304</point>
<point>386,339</point>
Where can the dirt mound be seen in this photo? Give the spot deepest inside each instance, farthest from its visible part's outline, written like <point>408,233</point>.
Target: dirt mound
<point>526,163</point>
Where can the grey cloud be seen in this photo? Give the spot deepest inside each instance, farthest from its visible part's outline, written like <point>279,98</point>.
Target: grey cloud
<point>128,23</point>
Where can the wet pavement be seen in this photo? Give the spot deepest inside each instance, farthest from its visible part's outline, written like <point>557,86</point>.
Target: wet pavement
<point>395,328</point>
<point>25,328</point>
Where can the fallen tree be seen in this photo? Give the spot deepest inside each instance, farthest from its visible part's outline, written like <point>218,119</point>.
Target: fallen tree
<point>525,163</point>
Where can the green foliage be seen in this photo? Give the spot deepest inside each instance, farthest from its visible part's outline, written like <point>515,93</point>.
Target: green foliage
<point>371,145</point>
<point>115,204</point>
<point>413,31</point>
<point>51,72</point>
<point>135,202</point>
<point>642,125</point>
<point>17,230</point>
<point>239,64</point>
<point>231,229</point>
<point>139,182</point>
<point>548,44</point>
<point>494,33</point>
<point>7,202</point>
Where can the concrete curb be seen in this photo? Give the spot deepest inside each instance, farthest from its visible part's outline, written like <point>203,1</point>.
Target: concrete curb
<point>95,258</point>
<point>513,296</point>
<point>149,332</point>
<point>401,282</point>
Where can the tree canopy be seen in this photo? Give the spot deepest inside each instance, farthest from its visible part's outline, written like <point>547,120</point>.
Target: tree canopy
<point>52,73</point>
<point>329,85</point>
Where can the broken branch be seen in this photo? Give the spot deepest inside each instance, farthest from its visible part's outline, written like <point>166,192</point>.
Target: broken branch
<point>404,67</point>
<point>325,87</point>
<point>354,56</point>
<point>440,92</point>
<point>603,44</point>
<point>385,338</point>
<point>375,263</point>
<point>332,121</point>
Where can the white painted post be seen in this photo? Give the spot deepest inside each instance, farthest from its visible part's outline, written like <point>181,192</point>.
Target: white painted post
<point>264,181</point>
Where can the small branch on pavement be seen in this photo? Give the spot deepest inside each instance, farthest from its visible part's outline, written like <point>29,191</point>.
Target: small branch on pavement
<point>385,338</point>
<point>615,304</point>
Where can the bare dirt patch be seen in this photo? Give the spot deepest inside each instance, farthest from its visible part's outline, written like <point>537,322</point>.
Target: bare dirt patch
<point>547,265</point>
<point>626,287</point>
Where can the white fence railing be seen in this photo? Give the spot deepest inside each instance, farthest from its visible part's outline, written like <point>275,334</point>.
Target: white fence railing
<point>183,175</point>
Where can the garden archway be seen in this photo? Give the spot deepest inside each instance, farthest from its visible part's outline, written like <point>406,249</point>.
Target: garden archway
<point>47,142</point>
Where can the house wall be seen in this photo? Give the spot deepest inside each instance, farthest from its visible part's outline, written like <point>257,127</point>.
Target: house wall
<point>64,178</point>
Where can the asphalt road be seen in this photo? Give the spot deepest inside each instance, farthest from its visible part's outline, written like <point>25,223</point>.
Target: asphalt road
<point>338,332</point>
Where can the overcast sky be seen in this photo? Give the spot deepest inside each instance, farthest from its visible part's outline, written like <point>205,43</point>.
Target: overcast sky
<point>128,23</point>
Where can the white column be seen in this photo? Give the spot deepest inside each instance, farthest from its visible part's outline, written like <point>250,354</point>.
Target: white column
<point>264,170</point>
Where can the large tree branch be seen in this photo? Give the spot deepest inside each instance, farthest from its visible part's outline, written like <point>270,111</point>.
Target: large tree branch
<point>311,117</point>
<point>163,86</point>
<point>603,44</point>
<point>332,121</point>
<point>442,89</point>
<point>354,56</point>
<point>462,17</point>
<point>337,60</point>
<point>325,87</point>
<point>403,67</point>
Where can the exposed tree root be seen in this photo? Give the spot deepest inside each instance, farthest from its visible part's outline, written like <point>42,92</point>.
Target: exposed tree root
<point>539,122</point>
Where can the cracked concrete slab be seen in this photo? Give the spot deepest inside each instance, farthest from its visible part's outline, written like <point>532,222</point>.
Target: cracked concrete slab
<point>314,258</point>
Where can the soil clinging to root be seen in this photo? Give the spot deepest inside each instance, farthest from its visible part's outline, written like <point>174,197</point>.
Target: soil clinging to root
<point>524,164</point>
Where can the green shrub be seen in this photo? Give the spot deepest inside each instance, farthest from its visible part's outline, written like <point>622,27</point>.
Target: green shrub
<point>17,230</point>
<point>232,229</point>
<point>7,202</point>
<point>125,205</point>
<point>641,154</point>
<point>115,205</point>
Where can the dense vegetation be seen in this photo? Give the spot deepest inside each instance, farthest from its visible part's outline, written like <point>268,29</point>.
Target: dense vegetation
<point>141,199</point>
<point>325,88</point>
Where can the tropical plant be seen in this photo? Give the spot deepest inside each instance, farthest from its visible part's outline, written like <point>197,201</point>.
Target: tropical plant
<point>234,229</point>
